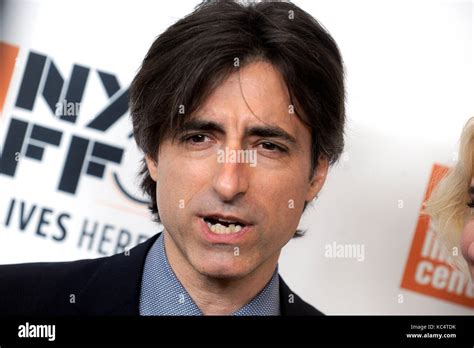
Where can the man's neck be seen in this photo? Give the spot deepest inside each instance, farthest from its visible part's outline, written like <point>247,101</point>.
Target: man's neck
<point>217,296</point>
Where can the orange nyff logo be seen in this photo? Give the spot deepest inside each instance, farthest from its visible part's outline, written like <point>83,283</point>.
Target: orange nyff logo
<point>427,271</point>
<point>8,54</point>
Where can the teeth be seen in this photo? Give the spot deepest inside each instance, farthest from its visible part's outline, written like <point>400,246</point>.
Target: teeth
<point>221,229</point>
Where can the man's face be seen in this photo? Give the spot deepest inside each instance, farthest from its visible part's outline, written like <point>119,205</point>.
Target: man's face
<point>467,238</point>
<point>265,189</point>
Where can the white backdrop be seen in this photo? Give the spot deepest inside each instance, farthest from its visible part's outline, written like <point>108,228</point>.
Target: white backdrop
<point>410,90</point>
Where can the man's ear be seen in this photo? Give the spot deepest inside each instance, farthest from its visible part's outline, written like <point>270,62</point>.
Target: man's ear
<point>318,178</point>
<point>152,167</point>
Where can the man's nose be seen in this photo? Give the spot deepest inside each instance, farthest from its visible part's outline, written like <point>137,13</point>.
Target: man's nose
<point>231,178</point>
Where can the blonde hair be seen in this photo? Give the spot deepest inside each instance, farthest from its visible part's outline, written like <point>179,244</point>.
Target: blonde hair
<point>447,203</point>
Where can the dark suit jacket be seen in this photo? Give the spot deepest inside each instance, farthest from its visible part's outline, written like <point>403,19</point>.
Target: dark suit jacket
<point>103,286</point>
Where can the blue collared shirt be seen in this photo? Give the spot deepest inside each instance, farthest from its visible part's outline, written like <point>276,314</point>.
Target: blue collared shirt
<point>163,294</point>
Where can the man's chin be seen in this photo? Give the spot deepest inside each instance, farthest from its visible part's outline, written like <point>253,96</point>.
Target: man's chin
<point>224,270</point>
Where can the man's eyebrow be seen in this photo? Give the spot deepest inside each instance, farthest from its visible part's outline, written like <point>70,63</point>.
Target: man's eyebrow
<point>269,131</point>
<point>201,125</point>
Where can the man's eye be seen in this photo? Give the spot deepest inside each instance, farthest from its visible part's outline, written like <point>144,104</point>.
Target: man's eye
<point>195,138</point>
<point>272,147</point>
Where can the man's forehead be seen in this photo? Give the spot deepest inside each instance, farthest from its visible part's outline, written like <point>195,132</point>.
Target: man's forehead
<point>253,96</point>
<point>258,85</point>
<point>280,113</point>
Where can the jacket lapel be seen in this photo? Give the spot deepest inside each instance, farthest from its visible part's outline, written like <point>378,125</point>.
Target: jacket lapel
<point>291,304</point>
<point>114,289</point>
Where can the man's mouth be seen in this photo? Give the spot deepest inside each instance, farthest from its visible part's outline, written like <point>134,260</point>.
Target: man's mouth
<point>220,225</point>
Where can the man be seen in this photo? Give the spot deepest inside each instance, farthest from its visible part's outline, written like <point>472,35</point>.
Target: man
<point>239,110</point>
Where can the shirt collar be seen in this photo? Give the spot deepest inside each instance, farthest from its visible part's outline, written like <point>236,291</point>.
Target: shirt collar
<point>163,294</point>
